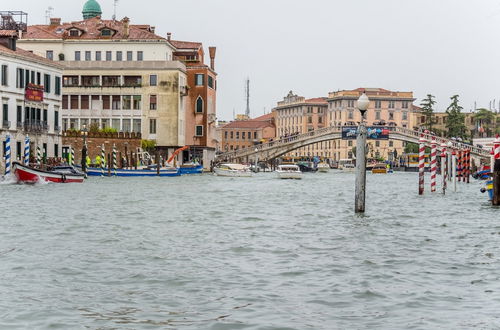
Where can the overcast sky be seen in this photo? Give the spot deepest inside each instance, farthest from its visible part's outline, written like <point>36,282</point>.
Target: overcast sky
<point>442,47</point>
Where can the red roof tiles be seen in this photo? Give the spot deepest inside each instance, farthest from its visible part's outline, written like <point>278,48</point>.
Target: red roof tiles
<point>317,100</point>
<point>185,44</point>
<point>8,33</point>
<point>259,122</point>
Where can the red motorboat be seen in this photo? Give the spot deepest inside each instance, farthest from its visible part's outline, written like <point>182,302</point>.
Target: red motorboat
<point>59,174</point>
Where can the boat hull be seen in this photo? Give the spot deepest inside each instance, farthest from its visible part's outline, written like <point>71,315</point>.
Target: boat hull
<point>289,175</point>
<point>134,173</point>
<point>191,169</point>
<point>232,173</point>
<point>28,174</point>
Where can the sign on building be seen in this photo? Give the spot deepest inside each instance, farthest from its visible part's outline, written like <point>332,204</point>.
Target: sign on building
<point>374,133</point>
<point>34,93</point>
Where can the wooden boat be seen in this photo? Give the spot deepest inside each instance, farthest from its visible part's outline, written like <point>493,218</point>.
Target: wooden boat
<point>233,170</point>
<point>288,172</point>
<point>58,174</point>
<point>147,171</point>
<point>379,169</point>
<point>323,168</point>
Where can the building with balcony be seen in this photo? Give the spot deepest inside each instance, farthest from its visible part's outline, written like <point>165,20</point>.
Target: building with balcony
<point>116,75</point>
<point>387,108</point>
<point>30,95</point>
<point>297,115</point>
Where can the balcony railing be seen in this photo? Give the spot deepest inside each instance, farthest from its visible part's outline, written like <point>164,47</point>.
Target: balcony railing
<point>36,126</point>
<point>5,124</point>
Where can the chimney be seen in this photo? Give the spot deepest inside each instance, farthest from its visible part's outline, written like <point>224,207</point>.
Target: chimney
<point>126,27</point>
<point>9,39</point>
<point>55,21</point>
<point>211,50</point>
<point>169,36</point>
<point>152,29</point>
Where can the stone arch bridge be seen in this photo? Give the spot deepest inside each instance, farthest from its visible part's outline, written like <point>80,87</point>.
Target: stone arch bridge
<point>274,149</point>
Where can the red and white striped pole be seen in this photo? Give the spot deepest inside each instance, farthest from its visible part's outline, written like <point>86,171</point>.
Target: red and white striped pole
<point>459,165</point>
<point>444,168</point>
<point>433,164</point>
<point>468,165</point>
<point>496,146</point>
<point>421,165</point>
<point>454,169</point>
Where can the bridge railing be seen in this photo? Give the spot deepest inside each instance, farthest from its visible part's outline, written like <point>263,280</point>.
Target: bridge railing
<point>279,142</point>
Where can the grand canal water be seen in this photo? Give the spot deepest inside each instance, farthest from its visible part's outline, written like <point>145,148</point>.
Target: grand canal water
<point>205,252</point>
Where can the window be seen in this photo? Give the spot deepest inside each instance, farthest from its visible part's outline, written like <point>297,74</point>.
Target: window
<point>210,82</point>
<point>57,87</point>
<point>377,143</point>
<point>46,83</point>
<point>199,130</point>
<point>56,120</point>
<point>109,56</point>
<point>18,151</point>
<point>309,120</point>
<point>225,135</point>
<point>27,77</point>
<point>74,33</point>
<point>110,81</point>
<point>136,102</point>
<point>404,105</point>
<point>391,115</point>
<point>115,123</point>
<point>405,115</point>
<point>98,56</point>
<point>77,55</point>
<point>152,126</point>
<point>237,135</point>
<point>127,102</point>
<point>378,104</point>
<point>69,81</point>
<point>126,125</point>
<point>106,102</point>
<point>45,115</point>
<point>88,57</point>
<point>129,55</point>
<point>199,105</point>
<point>255,135</point>
<point>19,115</point>
<point>320,120</point>
<point>4,75</point>
<point>199,79</point>
<point>349,143</point>
<point>49,54</point>
<point>391,143</point>
<point>106,32</point>
<point>377,114</point>
<point>38,78</point>
<point>65,102</point>
<point>152,102</point>
<point>350,103</point>
<point>391,104</point>
<point>84,102</point>
<point>32,80</point>
<point>153,80</point>
<point>56,150</point>
<point>243,135</point>
<point>350,114</point>
<point>232,135</point>
<point>74,102</point>
<point>140,55</point>
<point>5,112</point>
<point>115,103</point>
<point>136,125</point>
<point>118,55</point>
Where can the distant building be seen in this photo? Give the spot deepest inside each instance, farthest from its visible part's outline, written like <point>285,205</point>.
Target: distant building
<point>30,94</point>
<point>386,108</point>
<point>298,115</point>
<point>241,134</point>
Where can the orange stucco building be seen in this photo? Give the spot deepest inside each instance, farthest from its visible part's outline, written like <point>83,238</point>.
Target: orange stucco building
<point>241,134</point>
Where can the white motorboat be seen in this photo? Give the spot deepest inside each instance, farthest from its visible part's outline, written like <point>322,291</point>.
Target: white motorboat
<point>323,167</point>
<point>233,170</point>
<point>347,165</point>
<point>288,172</point>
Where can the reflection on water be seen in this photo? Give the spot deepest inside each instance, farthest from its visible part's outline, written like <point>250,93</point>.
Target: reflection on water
<point>205,252</point>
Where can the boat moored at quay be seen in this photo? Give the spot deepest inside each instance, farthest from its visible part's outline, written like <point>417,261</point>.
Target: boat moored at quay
<point>58,174</point>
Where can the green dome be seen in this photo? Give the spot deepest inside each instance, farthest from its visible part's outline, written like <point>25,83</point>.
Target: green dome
<point>91,9</point>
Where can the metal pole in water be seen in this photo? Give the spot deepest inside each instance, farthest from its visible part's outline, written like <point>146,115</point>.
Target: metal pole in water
<point>360,188</point>
<point>421,164</point>
<point>433,164</point>
<point>443,167</point>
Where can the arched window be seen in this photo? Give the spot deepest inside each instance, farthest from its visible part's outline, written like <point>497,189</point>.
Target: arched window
<point>199,105</point>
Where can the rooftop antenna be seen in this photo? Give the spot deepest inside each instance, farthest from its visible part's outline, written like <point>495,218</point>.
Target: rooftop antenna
<point>234,116</point>
<point>247,95</point>
<point>114,9</point>
<point>48,14</point>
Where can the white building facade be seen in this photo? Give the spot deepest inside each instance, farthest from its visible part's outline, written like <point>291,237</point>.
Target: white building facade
<point>30,95</point>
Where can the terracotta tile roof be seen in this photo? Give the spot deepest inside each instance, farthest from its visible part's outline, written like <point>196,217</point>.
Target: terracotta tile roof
<point>185,44</point>
<point>259,122</point>
<point>29,56</point>
<point>91,30</point>
<point>317,100</point>
<point>374,90</point>
<point>8,33</point>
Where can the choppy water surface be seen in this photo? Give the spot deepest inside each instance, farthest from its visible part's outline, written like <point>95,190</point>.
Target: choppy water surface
<point>205,252</point>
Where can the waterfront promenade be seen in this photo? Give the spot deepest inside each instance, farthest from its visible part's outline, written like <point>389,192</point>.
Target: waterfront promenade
<point>205,252</point>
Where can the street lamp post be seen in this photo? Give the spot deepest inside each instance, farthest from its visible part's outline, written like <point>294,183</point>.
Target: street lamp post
<point>360,189</point>
<point>84,132</point>
<point>256,159</point>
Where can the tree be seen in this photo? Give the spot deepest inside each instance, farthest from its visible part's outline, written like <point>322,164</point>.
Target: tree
<point>455,123</point>
<point>428,110</point>
<point>484,121</point>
